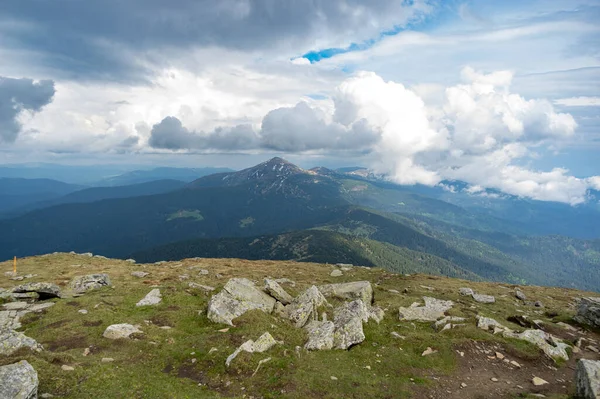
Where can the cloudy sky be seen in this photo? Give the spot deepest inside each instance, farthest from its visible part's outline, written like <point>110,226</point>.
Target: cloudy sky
<point>504,95</point>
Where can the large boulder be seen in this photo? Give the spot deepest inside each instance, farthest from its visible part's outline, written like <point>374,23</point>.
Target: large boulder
<point>304,306</point>
<point>277,292</point>
<point>348,320</point>
<point>237,297</point>
<point>587,379</point>
<point>262,344</point>
<point>588,311</point>
<point>120,331</point>
<point>552,346</point>
<point>18,381</point>
<point>152,298</point>
<point>431,311</point>
<point>355,290</point>
<point>44,290</point>
<point>11,341</point>
<point>320,335</point>
<point>82,284</point>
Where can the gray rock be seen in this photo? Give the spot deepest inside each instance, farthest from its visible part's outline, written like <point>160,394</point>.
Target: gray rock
<point>139,274</point>
<point>262,344</point>
<point>304,306</point>
<point>130,260</point>
<point>552,346</point>
<point>18,381</point>
<point>11,341</point>
<point>44,290</point>
<point>336,273</point>
<point>431,311</point>
<point>466,291</point>
<point>354,290</point>
<point>119,331</point>
<point>348,320</point>
<point>320,335</point>
<point>88,254</point>
<point>483,298</point>
<point>197,286</point>
<point>25,295</point>
<point>9,319</point>
<point>152,298</point>
<point>15,306</point>
<point>588,379</point>
<point>588,311</point>
<point>447,322</point>
<point>203,272</point>
<point>82,284</point>
<point>277,292</point>
<point>520,295</point>
<point>244,290</point>
<point>285,281</point>
<point>489,324</point>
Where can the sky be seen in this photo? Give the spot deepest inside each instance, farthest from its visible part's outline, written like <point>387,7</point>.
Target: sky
<point>502,95</point>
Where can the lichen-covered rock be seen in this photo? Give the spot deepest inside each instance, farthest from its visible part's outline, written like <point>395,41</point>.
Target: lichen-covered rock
<point>11,341</point>
<point>552,346</point>
<point>244,290</point>
<point>237,297</point>
<point>44,290</point>
<point>304,306</point>
<point>276,291</point>
<point>262,344</point>
<point>466,291</point>
<point>119,331</point>
<point>489,324</point>
<point>18,381</point>
<point>82,284</point>
<point>152,298</point>
<point>483,298</point>
<point>431,311</point>
<point>587,379</point>
<point>348,320</point>
<point>447,322</point>
<point>320,335</point>
<point>354,290</point>
<point>588,311</point>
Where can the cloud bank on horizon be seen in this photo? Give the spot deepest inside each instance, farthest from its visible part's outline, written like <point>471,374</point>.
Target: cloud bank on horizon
<point>422,91</point>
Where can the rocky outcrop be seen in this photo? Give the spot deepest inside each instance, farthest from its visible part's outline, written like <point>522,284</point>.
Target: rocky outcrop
<point>262,344</point>
<point>431,311</point>
<point>44,290</point>
<point>152,298</point>
<point>355,290</point>
<point>82,284</point>
<point>11,341</point>
<point>237,297</point>
<point>587,379</point>
<point>276,291</point>
<point>588,311</point>
<point>120,331</point>
<point>18,381</point>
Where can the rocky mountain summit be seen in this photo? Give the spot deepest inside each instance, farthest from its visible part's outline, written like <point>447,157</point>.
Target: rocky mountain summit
<point>80,325</point>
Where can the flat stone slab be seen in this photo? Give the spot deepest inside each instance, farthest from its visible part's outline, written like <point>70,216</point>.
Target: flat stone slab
<point>18,381</point>
<point>11,341</point>
<point>354,290</point>
<point>483,298</point>
<point>120,331</point>
<point>152,298</point>
<point>432,310</point>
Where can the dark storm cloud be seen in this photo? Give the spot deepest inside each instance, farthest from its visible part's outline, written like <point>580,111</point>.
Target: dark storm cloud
<point>17,95</point>
<point>91,38</point>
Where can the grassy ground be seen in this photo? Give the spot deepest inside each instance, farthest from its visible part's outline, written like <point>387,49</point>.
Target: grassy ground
<point>176,363</point>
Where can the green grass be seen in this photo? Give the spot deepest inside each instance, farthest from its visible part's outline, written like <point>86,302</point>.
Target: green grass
<point>183,214</point>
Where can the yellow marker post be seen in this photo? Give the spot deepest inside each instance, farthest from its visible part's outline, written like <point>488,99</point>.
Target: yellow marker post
<point>15,265</point>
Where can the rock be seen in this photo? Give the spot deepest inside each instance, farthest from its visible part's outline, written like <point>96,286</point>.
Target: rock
<point>333,378</point>
<point>18,381</point>
<point>152,298</point>
<point>466,291</point>
<point>431,311</point>
<point>587,379</point>
<point>517,365</point>
<point>447,322</point>
<point>538,304</point>
<point>499,355</point>
<point>276,291</point>
<point>494,379</point>
<point>11,341</point>
<point>348,319</point>
<point>285,281</point>
<point>107,360</point>
<point>82,284</point>
<point>130,260</point>
<point>83,311</point>
<point>88,254</point>
<point>354,290</point>
<point>118,331</point>
<point>520,295</point>
<point>537,381</point>
<point>304,306</point>
<point>204,288</point>
<point>566,326</point>
<point>336,273</point>
<point>588,311</point>
<point>238,296</point>
<point>320,335</point>
<point>552,346</point>
<point>203,272</point>
<point>428,352</point>
<point>262,344</point>
<point>489,324</point>
<point>15,305</point>
<point>139,274</point>
<point>44,290</point>
<point>64,367</point>
<point>483,298</point>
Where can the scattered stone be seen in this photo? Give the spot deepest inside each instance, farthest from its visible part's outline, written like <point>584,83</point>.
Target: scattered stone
<point>592,348</point>
<point>396,335</point>
<point>262,344</point>
<point>551,345</point>
<point>64,367</point>
<point>394,291</point>
<point>276,291</point>
<point>320,335</point>
<point>83,311</point>
<point>466,291</point>
<point>88,254</point>
<point>520,295</point>
<point>353,290</point>
<point>463,385</point>
<point>11,341</point>
<point>587,379</point>
<point>204,288</point>
<point>489,324</point>
<point>588,311</point>
<point>118,331</point>
<point>428,352</point>
<point>18,381</point>
<point>130,260</point>
<point>285,281</point>
<point>499,355</point>
<point>107,360</point>
<point>494,379</point>
<point>517,365</point>
<point>566,326</point>
<point>431,311</point>
<point>237,297</point>
<point>15,305</point>
<point>448,322</point>
<point>90,282</point>
<point>44,290</point>
<point>139,274</point>
<point>152,298</point>
<point>483,298</point>
<point>336,273</point>
<point>537,381</point>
